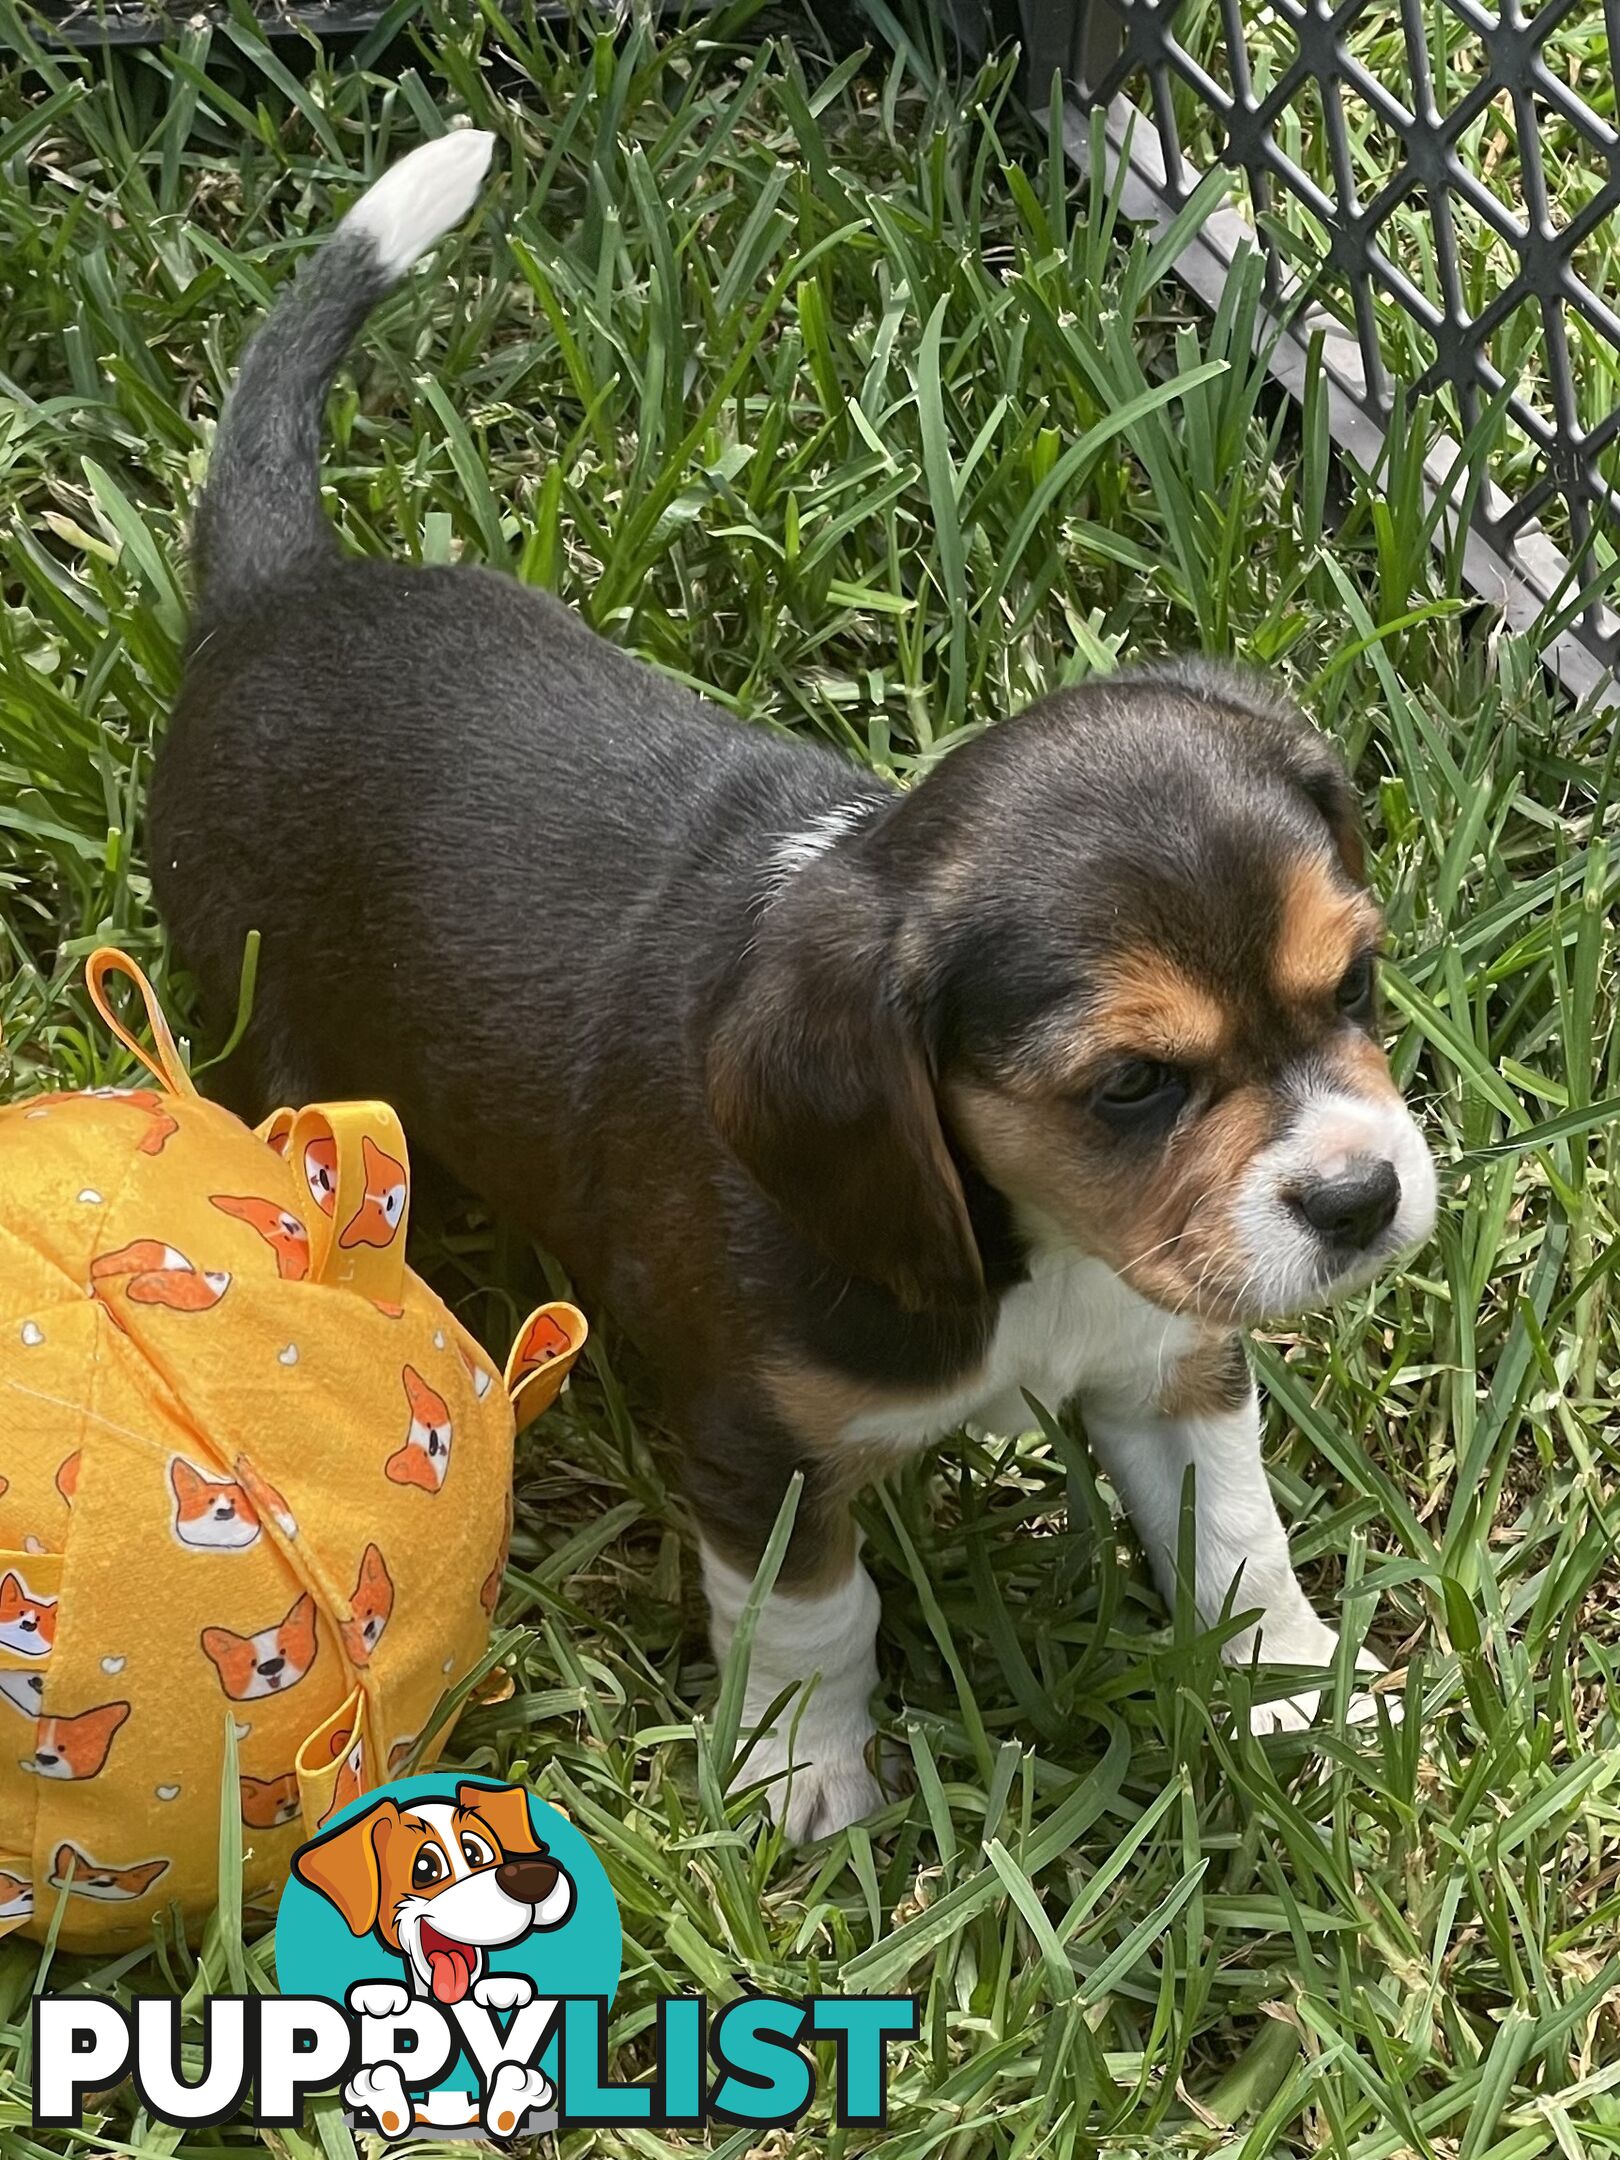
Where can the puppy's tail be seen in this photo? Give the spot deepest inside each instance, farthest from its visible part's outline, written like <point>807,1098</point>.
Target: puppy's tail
<point>260,518</point>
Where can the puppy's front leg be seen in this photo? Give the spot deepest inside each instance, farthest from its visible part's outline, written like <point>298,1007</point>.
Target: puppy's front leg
<point>1209,1420</point>
<point>819,1638</point>
<point>816,1633</point>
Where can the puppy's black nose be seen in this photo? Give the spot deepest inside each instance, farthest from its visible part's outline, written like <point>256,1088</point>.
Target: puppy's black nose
<point>530,1881</point>
<point>271,1666</point>
<point>1356,1206</point>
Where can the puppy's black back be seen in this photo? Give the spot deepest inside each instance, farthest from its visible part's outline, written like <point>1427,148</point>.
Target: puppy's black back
<point>431,792</point>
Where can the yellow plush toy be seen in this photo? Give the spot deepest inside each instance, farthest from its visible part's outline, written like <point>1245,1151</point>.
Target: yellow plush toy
<point>254,1480</point>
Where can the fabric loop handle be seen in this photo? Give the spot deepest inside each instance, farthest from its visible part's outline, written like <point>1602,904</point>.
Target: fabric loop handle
<point>336,1762</point>
<point>167,1066</point>
<point>352,1158</point>
<point>547,1347</point>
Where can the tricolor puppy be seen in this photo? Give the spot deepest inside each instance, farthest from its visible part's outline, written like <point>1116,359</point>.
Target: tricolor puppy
<point>441,1884</point>
<point>863,1111</point>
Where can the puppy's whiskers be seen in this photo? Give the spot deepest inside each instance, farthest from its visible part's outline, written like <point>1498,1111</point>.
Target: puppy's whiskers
<point>1149,1252</point>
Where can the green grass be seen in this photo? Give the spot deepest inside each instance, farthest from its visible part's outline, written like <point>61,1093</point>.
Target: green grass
<point>813,381</point>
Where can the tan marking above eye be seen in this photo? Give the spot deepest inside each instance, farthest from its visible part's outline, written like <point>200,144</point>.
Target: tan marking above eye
<point>1144,1006</point>
<point>1322,927</point>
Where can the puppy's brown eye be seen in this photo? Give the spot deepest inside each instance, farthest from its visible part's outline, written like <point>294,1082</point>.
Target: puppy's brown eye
<point>1354,995</point>
<point>427,1868</point>
<point>1140,1093</point>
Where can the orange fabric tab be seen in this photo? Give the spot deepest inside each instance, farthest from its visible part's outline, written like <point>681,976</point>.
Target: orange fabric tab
<point>331,1766</point>
<point>276,1131</point>
<point>352,1157</point>
<point>548,1344</point>
<point>168,1065</point>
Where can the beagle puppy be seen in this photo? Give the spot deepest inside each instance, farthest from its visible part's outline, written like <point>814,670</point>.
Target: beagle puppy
<point>865,1111</point>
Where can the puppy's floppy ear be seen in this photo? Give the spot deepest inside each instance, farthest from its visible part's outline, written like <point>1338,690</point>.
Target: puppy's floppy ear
<point>820,1083</point>
<point>344,1866</point>
<point>504,1813</point>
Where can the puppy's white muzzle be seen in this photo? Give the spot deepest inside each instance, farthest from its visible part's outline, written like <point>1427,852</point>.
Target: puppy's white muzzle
<point>1322,1210</point>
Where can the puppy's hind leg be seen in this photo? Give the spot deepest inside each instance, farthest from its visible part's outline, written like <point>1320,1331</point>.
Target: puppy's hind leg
<point>815,1639</point>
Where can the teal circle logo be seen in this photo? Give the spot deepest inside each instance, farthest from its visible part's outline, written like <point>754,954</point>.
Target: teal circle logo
<point>449,1913</point>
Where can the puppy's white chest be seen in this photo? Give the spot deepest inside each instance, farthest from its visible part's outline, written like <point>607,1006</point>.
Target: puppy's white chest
<point>1070,1326</point>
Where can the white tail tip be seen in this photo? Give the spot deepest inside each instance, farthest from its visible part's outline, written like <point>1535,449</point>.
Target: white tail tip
<point>418,200</point>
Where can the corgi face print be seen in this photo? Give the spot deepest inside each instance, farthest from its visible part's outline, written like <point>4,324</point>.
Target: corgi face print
<point>269,1803</point>
<point>370,1606</point>
<point>277,1658</point>
<point>320,1172</point>
<point>180,1289</point>
<point>542,1341</point>
<point>111,1885</point>
<point>75,1747</point>
<point>16,1896</point>
<point>377,1219</point>
<point>424,1458</point>
<point>152,1273</point>
<point>25,1691</point>
<point>285,1235</point>
<point>482,1381</point>
<point>160,1126</point>
<point>212,1513</point>
<point>67,1475</point>
<point>142,1256</point>
<point>27,1624</point>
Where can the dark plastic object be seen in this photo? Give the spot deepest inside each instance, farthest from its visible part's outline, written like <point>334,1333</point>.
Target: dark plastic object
<point>1107,49</point>
<point>140,22</point>
<point>151,22</point>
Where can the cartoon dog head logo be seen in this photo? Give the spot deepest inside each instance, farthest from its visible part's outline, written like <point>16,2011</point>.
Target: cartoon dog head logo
<point>441,1883</point>
<point>453,1918</point>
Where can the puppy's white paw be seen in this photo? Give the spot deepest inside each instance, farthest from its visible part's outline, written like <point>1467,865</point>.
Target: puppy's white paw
<point>1362,1708</point>
<point>1290,1713</point>
<point>378,1998</point>
<point>514,2091</point>
<point>503,1991</point>
<point>1296,1713</point>
<point>823,1785</point>
<point>380,2092</point>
